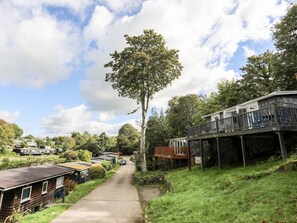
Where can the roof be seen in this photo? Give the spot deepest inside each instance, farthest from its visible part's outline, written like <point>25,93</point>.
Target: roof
<point>276,93</point>
<point>75,166</point>
<point>17,177</point>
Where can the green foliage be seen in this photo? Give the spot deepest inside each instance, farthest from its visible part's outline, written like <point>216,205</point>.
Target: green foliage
<point>16,216</point>
<point>18,132</point>
<point>183,112</point>
<point>230,93</point>
<point>84,155</point>
<point>260,75</point>
<point>6,133</point>
<point>143,68</point>
<point>9,163</point>
<point>157,131</point>
<point>112,144</point>
<point>107,165</point>
<point>40,142</point>
<point>97,171</point>
<point>251,194</point>
<point>128,139</point>
<point>285,37</point>
<point>70,155</point>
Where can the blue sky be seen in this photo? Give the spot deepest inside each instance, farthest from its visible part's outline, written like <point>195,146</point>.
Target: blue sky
<point>53,51</point>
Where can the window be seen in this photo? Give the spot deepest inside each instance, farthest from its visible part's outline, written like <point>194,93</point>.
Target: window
<point>60,182</point>
<point>26,194</point>
<point>44,187</point>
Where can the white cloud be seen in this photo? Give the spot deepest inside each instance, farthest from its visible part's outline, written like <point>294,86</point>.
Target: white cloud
<point>101,18</point>
<point>80,119</point>
<point>9,116</point>
<point>35,49</point>
<point>248,52</point>
<point>122,6</point>
<point>207,33</point>
<point>77,6</point>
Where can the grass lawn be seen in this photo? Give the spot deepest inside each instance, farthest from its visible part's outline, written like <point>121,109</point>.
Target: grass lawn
<point>82,190</point>
<point>257,193</point>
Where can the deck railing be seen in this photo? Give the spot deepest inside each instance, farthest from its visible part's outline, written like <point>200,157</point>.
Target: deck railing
<point>263,118</point>
<point>170,151</point>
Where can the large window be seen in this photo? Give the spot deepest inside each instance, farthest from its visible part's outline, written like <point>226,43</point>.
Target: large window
<point>44,187</point>
<point>26,194</point>
<point>60,182</point>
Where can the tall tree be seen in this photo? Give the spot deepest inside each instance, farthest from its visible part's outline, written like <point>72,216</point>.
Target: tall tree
<point>144,67</point>
<point>17,130</point>
<point>6,134</point>
<point>157,131</point>
<point>183,112</point>
<point>260,75</point>
<point>285,37</point>
<point>128,139</point>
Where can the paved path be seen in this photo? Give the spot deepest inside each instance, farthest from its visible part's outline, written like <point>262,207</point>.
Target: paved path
<point>114,201</point>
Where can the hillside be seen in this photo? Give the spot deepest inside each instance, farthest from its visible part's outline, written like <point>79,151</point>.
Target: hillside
<point>260,193</point>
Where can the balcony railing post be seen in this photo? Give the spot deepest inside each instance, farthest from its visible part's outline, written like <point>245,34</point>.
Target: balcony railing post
<point>276,114</point>
<point>217,125</point>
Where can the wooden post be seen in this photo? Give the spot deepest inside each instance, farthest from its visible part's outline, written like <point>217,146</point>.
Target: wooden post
<point>243,150</point>
<point>276,115</point>
<point>217,125</point>
<point>189,155</point>
<point>219,153</point>
<point>202,154</point>
<point>282,144</point>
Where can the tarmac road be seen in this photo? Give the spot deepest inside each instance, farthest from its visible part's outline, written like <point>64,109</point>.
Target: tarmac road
<point>114,201</point>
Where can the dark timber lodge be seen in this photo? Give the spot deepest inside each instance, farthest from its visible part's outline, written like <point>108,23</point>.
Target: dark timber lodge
<point>262,127</point>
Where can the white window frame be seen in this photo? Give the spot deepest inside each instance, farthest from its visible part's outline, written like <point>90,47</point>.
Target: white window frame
<point>59,178</point>
<point>28,198</point>
<point>44,192</point>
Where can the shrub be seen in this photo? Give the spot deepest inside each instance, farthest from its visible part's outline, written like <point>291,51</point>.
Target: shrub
<point>70,185</point>
<point>70,155</point>
<point>132,158</point>
<point>16,216</point>
<point>107,165</point>
<point>97,171</point>
<point>84,155</point>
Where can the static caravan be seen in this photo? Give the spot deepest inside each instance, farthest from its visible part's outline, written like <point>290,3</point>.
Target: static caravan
<point>30,188</point>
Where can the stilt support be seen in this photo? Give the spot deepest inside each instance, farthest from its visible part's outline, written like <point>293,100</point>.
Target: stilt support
<point>219,153</point>
<point>243,151</point>
<point>282,144</point>
<point>202,154</point>
<point>189,155</point>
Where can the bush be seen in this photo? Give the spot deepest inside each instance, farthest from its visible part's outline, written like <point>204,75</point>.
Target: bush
<point>97,171</point>
<point>70,185</point>
<point>70,155</point>
<point>132,158</point>
<point>84,155</point>
<point>107,165</point>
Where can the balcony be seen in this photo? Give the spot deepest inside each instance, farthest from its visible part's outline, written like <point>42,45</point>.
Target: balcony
<point>273,118</point>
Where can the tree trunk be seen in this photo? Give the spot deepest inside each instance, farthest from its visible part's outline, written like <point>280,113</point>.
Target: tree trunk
<point>142,142</point>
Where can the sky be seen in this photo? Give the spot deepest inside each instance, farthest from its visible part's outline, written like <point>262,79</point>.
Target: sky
<point>52,52</point>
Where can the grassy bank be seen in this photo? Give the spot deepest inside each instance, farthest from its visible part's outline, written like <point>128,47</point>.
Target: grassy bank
<point>253,194</point>
<point>81,191</point>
